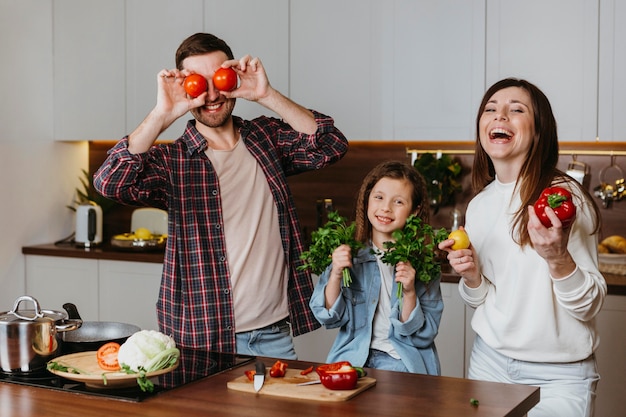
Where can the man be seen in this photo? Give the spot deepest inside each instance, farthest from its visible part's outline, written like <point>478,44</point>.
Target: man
<point>229,281</point>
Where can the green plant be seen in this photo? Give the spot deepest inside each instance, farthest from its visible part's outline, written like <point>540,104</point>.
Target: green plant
<point>442,177</point>
<point>88,194</point>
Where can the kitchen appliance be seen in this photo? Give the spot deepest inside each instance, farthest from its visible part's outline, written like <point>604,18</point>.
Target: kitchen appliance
<point>193,365</point>
<point>93,334</point>
<point>88,225</point>
<point>28,338</point>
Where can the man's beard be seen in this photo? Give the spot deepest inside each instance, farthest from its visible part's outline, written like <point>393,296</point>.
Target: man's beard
<point>214,119</point>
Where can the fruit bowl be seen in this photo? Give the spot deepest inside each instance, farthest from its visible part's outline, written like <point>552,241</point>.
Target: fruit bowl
<point>130,242</point>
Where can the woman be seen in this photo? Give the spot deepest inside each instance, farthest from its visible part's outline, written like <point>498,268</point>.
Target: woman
<point>536,289</point>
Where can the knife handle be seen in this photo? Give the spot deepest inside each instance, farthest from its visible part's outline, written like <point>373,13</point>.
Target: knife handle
<point>260,368</point>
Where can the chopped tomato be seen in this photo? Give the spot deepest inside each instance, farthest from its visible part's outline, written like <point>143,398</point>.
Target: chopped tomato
<point>250,374</point>
<point>279,369</point>
<point>306,371</point>
<point>107,356</point>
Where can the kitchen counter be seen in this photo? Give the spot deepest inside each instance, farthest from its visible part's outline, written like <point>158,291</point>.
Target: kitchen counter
<point>616,283</point>
<point>395,394</point>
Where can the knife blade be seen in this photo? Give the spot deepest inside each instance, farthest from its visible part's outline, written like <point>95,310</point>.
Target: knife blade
<point>259,376</point>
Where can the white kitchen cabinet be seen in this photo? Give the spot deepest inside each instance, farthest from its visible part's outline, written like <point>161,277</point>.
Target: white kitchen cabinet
<point>54,281</point>
<point>554,45</point>
<point>450,341</point>
<point>612,77</point>
<point>128,292</point>
<point>89,69</point>
<point>102,290</point>
<point>611,357</point>
<point>154,29</point>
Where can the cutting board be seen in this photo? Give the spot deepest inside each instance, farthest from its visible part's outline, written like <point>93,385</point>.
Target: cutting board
<point>286,387</point>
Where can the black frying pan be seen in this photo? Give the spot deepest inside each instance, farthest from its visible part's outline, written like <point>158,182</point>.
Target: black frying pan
<point>93,334</point>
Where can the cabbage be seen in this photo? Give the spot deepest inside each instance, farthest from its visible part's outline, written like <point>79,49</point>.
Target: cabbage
<point>148,351</point>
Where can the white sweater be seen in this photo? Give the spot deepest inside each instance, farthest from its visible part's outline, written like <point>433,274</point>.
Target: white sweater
<point>521,311</point>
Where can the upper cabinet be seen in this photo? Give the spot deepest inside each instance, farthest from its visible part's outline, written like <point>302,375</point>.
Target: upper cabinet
<point>554,45</point>
<point>612,79</point>
<point>399,70</point>
<point>89,69</point>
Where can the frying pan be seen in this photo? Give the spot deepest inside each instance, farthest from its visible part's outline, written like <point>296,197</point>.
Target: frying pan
<point>93,334</point>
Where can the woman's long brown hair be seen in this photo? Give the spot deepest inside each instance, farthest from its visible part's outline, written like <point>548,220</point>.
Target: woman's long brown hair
<point>540,167</point>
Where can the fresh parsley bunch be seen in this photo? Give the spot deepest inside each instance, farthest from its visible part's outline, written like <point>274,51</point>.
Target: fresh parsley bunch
<point>325,240</point>
<point>415,244</point>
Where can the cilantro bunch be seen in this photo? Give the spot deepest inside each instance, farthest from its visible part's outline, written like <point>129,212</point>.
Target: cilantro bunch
<point>325,240</point>
<point>415,244</point>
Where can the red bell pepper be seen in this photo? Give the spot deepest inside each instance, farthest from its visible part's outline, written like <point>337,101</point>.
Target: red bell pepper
<point>250,374</point>
<point>558,199</point>
<point>279,369</point>
<point>338,375</point>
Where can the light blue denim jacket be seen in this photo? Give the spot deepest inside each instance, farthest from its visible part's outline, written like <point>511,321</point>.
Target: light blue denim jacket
<point>353,312</point>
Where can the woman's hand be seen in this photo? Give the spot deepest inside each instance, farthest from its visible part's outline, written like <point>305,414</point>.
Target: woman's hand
<point>551,243</point>
<point>462,261</point>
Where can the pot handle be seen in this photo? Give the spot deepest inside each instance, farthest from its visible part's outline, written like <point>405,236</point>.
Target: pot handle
<point>38,313</point>
<point>68,325</point>
<point>72,311</point>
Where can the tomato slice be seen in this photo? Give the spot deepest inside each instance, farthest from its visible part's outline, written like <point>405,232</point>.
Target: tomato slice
<point>107,356</point>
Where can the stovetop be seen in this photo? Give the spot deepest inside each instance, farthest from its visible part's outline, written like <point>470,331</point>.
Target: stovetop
<point>194,365</point>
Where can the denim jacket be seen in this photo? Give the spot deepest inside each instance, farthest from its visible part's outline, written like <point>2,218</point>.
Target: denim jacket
<point>353,312</point>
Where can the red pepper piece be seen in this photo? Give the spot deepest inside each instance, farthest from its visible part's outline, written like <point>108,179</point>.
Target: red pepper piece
<point>279,369</point>
<point>306,371</point>
<point>558,199</point>
<point>250,374</point>
<point>338,375</point>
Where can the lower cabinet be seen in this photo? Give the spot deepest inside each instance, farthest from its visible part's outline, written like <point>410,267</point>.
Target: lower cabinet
<point>102,290</point>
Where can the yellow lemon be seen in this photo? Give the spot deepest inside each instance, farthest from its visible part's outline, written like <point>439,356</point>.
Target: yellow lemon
<point>461,239</point>
<point>143,233</point>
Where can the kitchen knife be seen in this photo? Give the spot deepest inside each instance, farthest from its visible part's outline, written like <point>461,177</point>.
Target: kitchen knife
<point>259,376</point>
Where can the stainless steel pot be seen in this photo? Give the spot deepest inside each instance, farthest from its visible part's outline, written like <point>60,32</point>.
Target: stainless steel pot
<point>93,334</point>
<point>28,338</point>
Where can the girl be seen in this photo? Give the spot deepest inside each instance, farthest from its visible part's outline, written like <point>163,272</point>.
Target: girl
<point>536,290</point>
<point>376,330</point>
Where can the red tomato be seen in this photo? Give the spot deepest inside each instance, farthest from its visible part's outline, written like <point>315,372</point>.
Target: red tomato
<point>107,356</point>
<point>195,84</point>
<point>225,79</point>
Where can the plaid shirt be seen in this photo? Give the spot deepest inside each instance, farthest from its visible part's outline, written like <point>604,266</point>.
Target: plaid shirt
<point>195,305</point>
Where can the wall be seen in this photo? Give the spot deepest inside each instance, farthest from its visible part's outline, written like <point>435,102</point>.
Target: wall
<point>37,175</point>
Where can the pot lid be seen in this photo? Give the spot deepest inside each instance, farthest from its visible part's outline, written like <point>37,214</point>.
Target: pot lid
<point>32,315</point>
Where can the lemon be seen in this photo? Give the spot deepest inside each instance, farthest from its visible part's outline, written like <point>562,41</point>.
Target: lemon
<point>143,233</point>
<point>461,239</point>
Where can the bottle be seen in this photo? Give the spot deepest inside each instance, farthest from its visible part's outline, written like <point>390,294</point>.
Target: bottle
<point>456,219</point>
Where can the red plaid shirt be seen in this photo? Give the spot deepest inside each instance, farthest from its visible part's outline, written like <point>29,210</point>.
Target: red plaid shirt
<point>195,305</point>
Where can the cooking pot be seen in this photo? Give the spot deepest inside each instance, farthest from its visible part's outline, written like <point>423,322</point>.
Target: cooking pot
<point>28,338</point>
<point>93,334</point>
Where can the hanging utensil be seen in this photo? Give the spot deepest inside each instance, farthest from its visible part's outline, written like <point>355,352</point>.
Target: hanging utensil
<point>577,170</point>
<point>607,191</point>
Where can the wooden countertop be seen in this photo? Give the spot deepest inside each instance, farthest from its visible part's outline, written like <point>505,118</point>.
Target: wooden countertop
<point>616,283</point>
<point>395,394</point>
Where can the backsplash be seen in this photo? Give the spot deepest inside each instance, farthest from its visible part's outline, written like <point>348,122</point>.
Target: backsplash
<point>336,187</point>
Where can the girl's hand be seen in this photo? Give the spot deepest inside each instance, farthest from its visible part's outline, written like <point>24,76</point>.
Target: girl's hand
<point>405,274</point>
<point>341,258</point>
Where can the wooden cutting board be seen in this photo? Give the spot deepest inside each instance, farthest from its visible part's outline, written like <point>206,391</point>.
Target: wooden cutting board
<point>287,387</point>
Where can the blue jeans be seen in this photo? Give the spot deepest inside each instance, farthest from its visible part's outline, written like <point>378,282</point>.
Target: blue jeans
<point>382,360</point>
<point>566,389</point>
<point>273,341</point>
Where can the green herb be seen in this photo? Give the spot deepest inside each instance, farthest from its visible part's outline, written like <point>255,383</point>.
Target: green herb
<point>57,366</point>
<point>325,240</point>
<point>415,243</point>
<point>142,380</point>
<point>162,360</point>
<point>474,401</point>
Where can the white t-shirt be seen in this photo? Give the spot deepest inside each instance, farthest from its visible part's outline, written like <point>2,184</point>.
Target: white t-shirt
<point>381,325</point>
<point>256,260</point>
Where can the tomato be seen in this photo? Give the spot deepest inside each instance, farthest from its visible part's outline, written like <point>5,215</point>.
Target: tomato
<point>195,84</point>
<point>225,79</point>
<point>279,369</point>
<point>558,199</point>
<point>107,356</point>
